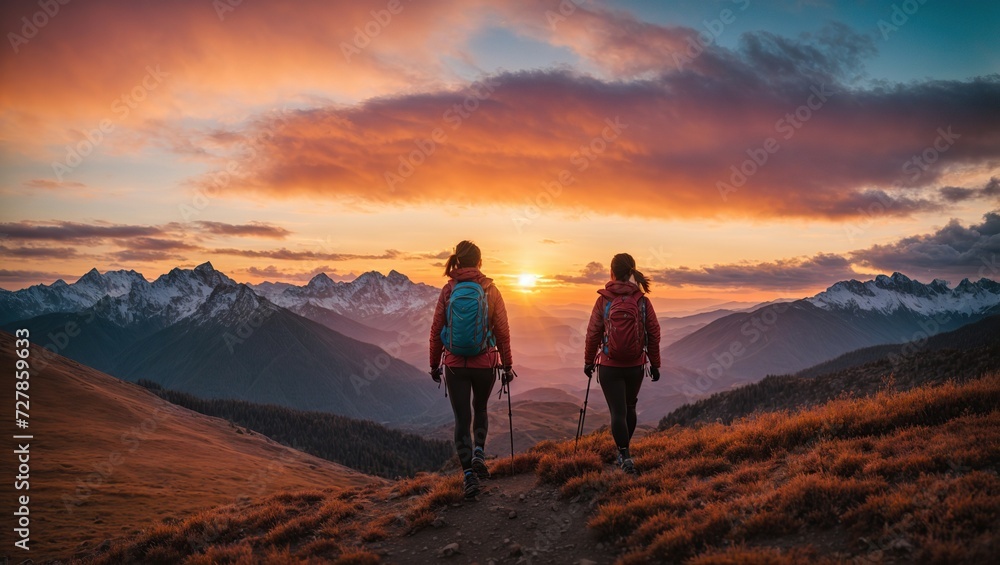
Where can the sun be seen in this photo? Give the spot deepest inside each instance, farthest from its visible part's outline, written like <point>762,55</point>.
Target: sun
<point>526,280</point>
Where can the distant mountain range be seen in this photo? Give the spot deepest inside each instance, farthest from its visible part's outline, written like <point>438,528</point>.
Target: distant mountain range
<point>390,311</point>
<point>789,337</point>
<point>314,346</point>
<point>959,355</point>
<point>200,332</point>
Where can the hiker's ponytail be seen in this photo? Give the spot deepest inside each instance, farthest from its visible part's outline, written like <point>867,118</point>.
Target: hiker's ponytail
<point>467,254</point>
<point>623,267</point>
<point>641,280</point>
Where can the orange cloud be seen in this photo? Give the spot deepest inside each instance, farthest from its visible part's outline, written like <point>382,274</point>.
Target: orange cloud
<point>684,145</point>
<point>90,61</point>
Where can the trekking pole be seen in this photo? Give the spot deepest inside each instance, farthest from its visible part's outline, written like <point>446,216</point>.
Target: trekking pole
<point>583,415</point>
<point>510,418</point>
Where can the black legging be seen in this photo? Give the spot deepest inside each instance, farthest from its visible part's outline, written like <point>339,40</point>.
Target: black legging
<point>464,383</point>
<point>621,390</point>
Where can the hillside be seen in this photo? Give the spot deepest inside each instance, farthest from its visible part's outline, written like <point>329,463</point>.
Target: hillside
<point>108,458</point>
<point>372,449</point>
<point>898,477</point>
<point>977,334</point>
<point>959,355</point>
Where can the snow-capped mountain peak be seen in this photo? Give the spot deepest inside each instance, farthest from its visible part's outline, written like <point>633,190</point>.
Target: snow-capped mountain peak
<point>395,277</point>
<point>320,282</point>
<point>890,293</point>
<point>126,297</point>
<point>232,304</point>
<point>370,294</point>
<point>62,297</point>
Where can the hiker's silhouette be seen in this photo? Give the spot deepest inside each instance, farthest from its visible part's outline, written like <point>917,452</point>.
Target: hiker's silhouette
<point>470,338</point>
<point>622,337</point>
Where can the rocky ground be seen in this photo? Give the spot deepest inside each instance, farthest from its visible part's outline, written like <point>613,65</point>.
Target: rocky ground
<point>513,521</point>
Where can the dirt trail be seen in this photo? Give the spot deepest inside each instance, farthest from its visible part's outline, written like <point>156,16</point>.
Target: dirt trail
<point>514,520</point>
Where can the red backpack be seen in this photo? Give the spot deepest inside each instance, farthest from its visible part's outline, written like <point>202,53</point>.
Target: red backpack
<point>625,327</point>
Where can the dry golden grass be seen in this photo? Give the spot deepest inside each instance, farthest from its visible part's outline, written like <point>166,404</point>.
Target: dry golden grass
<point>907,477</point>
<point>112,458</point>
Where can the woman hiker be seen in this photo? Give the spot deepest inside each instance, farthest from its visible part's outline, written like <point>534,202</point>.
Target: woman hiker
<point>623,334</point>
<point>470,329</point>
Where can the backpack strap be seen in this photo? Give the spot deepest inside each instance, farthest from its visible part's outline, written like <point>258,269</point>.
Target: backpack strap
<point>607,311</point>
<point>645,334</point>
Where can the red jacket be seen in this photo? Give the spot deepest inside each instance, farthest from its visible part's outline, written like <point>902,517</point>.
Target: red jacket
<point>595,329</point>
<point>501,356</point>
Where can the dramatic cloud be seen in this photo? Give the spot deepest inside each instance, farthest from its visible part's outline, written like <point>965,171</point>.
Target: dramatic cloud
<point>49,184</point>
<point>146,255</point>
<point>157,244</point>
<point>782,275</point>
<point>307,255</point>
<point>956,250</point>
<point>961,194</point>
<point>682,145</point>
<point>134,235</point>
<point>952,251</point>
<point>201,63</point>
<point>592,273</point>
<point>74,232</point>
<point>19,278</point>
<point>38,252</point>
<point>273,273</point>
<point>253,229</point>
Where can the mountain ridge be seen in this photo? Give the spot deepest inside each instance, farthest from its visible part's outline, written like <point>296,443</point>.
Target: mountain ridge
<point>789,337</point>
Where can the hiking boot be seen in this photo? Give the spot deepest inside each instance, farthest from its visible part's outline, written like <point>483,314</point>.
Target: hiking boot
<point>627,465</point>
<point>479,465</point>
<point>471,485</point>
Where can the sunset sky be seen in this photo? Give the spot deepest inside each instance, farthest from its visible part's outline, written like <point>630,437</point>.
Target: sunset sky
<point>282,139</point>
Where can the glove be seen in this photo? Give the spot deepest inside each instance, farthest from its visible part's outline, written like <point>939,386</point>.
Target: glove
<point>436,374</point>
<point>507,375</point>
<point>588,370</point>
<point>654,373</point>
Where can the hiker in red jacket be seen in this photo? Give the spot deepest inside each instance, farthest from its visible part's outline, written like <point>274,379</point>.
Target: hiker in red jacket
<point>470,328</point>
<point>623,334</point>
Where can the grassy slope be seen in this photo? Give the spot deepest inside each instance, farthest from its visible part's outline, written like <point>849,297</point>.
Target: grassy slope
<point>906,476</point>
<point>109,457</point>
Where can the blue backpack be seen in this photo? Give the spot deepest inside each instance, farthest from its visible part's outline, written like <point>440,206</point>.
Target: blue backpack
<point>466,330</point>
